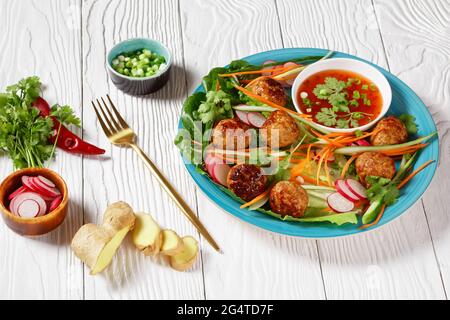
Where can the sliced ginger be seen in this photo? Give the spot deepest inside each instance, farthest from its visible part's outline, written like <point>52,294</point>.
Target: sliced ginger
<point>97,245</point>
<point>172,244</point>
<point>187,256</point>
<point>147,235</point>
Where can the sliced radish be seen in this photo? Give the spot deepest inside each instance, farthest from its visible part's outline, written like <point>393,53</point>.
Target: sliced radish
<point>243,116</point>
<point>343,189</point>
<point>55,203</point>
<point>339,204</point>
<point>291,64</point>
<point>300,180</point>
<point>266,74</point>
<point>356,188</point>
<point>256,119</point>
<point>44,189</point>
<point>13,206</point>
<point>22,206</point>
<point>363,143</point>
<point>221,173</point>
<point>47,182</point>
<point>22,189</point>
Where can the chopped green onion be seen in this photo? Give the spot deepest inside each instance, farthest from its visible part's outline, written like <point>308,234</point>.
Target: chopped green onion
<point>140,63</point>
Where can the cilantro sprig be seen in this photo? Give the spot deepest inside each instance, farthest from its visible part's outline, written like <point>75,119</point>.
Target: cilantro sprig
<point>339,115</point>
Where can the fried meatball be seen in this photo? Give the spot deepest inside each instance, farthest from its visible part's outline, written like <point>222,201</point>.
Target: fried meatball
<point>247,181</point>
<point>288,130</point>
<point>231,134</point>
<point>374,164</point>
<point>391,131</point>
<point>271,90</point>
<point>288,198</point>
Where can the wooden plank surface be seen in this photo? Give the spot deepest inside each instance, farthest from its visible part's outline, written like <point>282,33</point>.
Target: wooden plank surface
<point>122,175</point>
<point>45,41</point>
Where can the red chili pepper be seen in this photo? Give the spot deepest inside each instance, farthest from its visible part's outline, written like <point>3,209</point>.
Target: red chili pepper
<point>67,140</point>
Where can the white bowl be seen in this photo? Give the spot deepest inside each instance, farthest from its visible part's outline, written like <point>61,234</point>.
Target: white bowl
<point>355,66</point>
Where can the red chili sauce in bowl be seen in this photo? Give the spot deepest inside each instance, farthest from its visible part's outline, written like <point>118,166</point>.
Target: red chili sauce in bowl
<point>340,99</point>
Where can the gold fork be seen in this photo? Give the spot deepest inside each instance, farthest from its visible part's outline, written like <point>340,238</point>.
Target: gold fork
<point>119,133</point>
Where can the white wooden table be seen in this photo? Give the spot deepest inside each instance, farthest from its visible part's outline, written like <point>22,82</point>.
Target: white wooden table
<point>65,43</point>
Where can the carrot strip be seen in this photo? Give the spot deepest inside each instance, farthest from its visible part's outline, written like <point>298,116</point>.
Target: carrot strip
<point>414,173</point>
<point>377,220</point>
<point>319,166</point>
<point>327,169</point>
<point>311,180</point>
<point>253,201</point>
<point>331,141</point>
<point>347,165</point>
<point>243,73</point>
<point>270,103</point>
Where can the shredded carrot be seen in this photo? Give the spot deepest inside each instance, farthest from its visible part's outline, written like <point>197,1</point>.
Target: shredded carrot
<point>404,150</point>
<point>311,180</point>
<point>347,165</point>
<point>366,135</point>
<point>414,173</point>
<point>243,73</point>
<point>262,195</point>
<point>327,169</point>
<point>270,103</point>
<point>217,86</point>
<point>319,166</point>
<point>377,220</point>
<point>327,139</point>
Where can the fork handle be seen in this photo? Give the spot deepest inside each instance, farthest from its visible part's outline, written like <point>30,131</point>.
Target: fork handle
<point>175,196</point>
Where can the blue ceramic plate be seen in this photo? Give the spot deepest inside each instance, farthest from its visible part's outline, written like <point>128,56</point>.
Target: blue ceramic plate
<point>404,101</point>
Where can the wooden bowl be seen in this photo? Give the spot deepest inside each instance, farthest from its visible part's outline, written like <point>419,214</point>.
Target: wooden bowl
<point>33,226</point>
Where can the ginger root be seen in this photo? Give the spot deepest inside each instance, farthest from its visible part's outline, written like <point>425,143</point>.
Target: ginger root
<point>172,244</point>
<point>147,235</point>
<point>186,258</point>
<point>97,245</point>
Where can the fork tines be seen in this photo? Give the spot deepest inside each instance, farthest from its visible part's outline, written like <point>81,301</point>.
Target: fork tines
<point>110,124</point>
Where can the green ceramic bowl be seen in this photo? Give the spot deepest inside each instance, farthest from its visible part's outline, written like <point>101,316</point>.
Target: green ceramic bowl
<point>139,86</point>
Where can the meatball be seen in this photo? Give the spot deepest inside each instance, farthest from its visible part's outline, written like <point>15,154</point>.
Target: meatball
<point>288,198</point>
<point>391,131</point>
<point>374,164</point>
<point>247,181</point>
<point>271,90</point>
<point>288,130</point>
<point>231,134</point>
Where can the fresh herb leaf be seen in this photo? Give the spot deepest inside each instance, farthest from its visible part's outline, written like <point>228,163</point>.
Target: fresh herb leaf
<point>410,123</point>
<point>327,116</point>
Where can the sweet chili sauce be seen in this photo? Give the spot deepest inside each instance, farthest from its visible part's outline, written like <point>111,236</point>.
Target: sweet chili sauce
<point>316,105</point>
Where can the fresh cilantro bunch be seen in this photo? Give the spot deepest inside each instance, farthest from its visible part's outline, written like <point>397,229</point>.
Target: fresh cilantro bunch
<point>24,134</point>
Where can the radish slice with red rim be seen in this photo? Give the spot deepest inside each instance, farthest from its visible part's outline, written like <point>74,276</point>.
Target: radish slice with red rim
<point>339,204</point>
<point>55,203</point>
<point>44,189</point>
<point>27,210</point>
<point>363,143</point>
<point>22,189</point>
<point>221,173</point>
<point>343,189</point>
<point>266,74</point>
<point>256,119</point>
<point>243,116</point>
<point>47,182</point>
<point>356,188</point>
